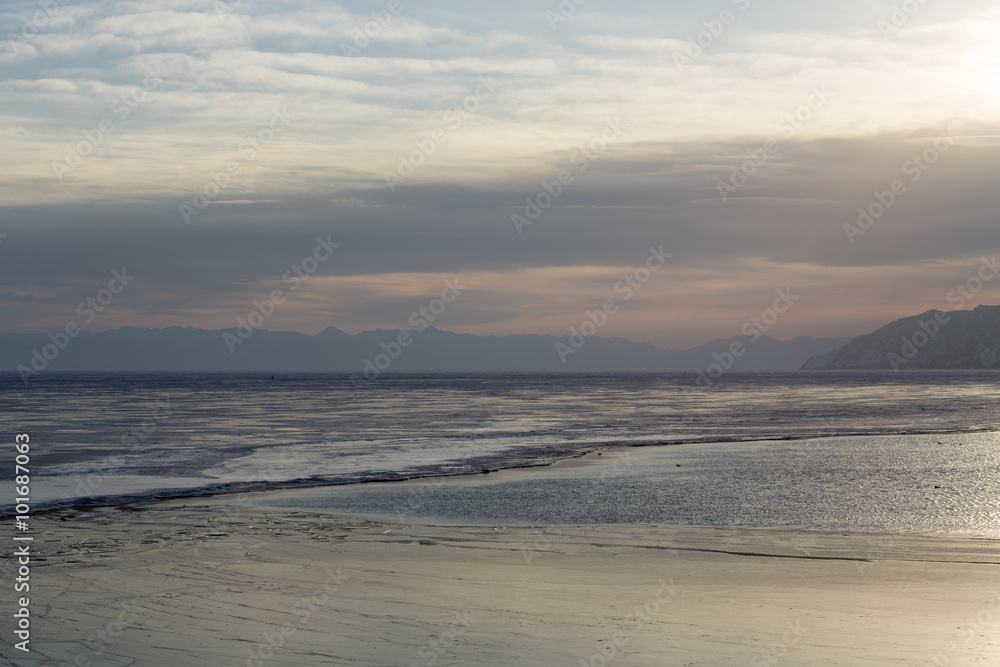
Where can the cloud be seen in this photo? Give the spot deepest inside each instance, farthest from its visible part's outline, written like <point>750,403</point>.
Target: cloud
<point>353,117</point>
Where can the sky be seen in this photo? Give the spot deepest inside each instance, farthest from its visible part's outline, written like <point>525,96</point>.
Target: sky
<point>358,157</point>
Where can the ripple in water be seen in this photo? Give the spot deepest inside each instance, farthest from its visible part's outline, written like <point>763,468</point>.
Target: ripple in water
<point>906,484</point>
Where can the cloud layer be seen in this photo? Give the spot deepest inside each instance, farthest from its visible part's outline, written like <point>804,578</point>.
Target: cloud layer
<point>206,146</point>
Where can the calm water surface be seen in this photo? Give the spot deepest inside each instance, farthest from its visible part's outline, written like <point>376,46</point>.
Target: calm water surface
<point>98,437</point>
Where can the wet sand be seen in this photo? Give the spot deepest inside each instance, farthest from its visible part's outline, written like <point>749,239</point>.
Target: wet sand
<point>228,583</point>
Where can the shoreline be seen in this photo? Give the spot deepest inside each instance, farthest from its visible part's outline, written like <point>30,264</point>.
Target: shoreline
<point>236,488</point>
<point>214,584</point>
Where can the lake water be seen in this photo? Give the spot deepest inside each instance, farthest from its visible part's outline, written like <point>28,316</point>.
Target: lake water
<point>99,437</point>
<point>940,484</point>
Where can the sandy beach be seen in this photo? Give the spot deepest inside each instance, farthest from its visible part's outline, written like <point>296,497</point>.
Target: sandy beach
<point>224,582</point>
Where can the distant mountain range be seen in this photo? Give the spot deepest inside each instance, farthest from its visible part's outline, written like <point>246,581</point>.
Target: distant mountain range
<point>373,352</point>
<point>960,339</point>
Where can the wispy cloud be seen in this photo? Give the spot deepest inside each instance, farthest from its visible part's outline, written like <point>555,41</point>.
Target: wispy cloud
<point>222,69</point>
